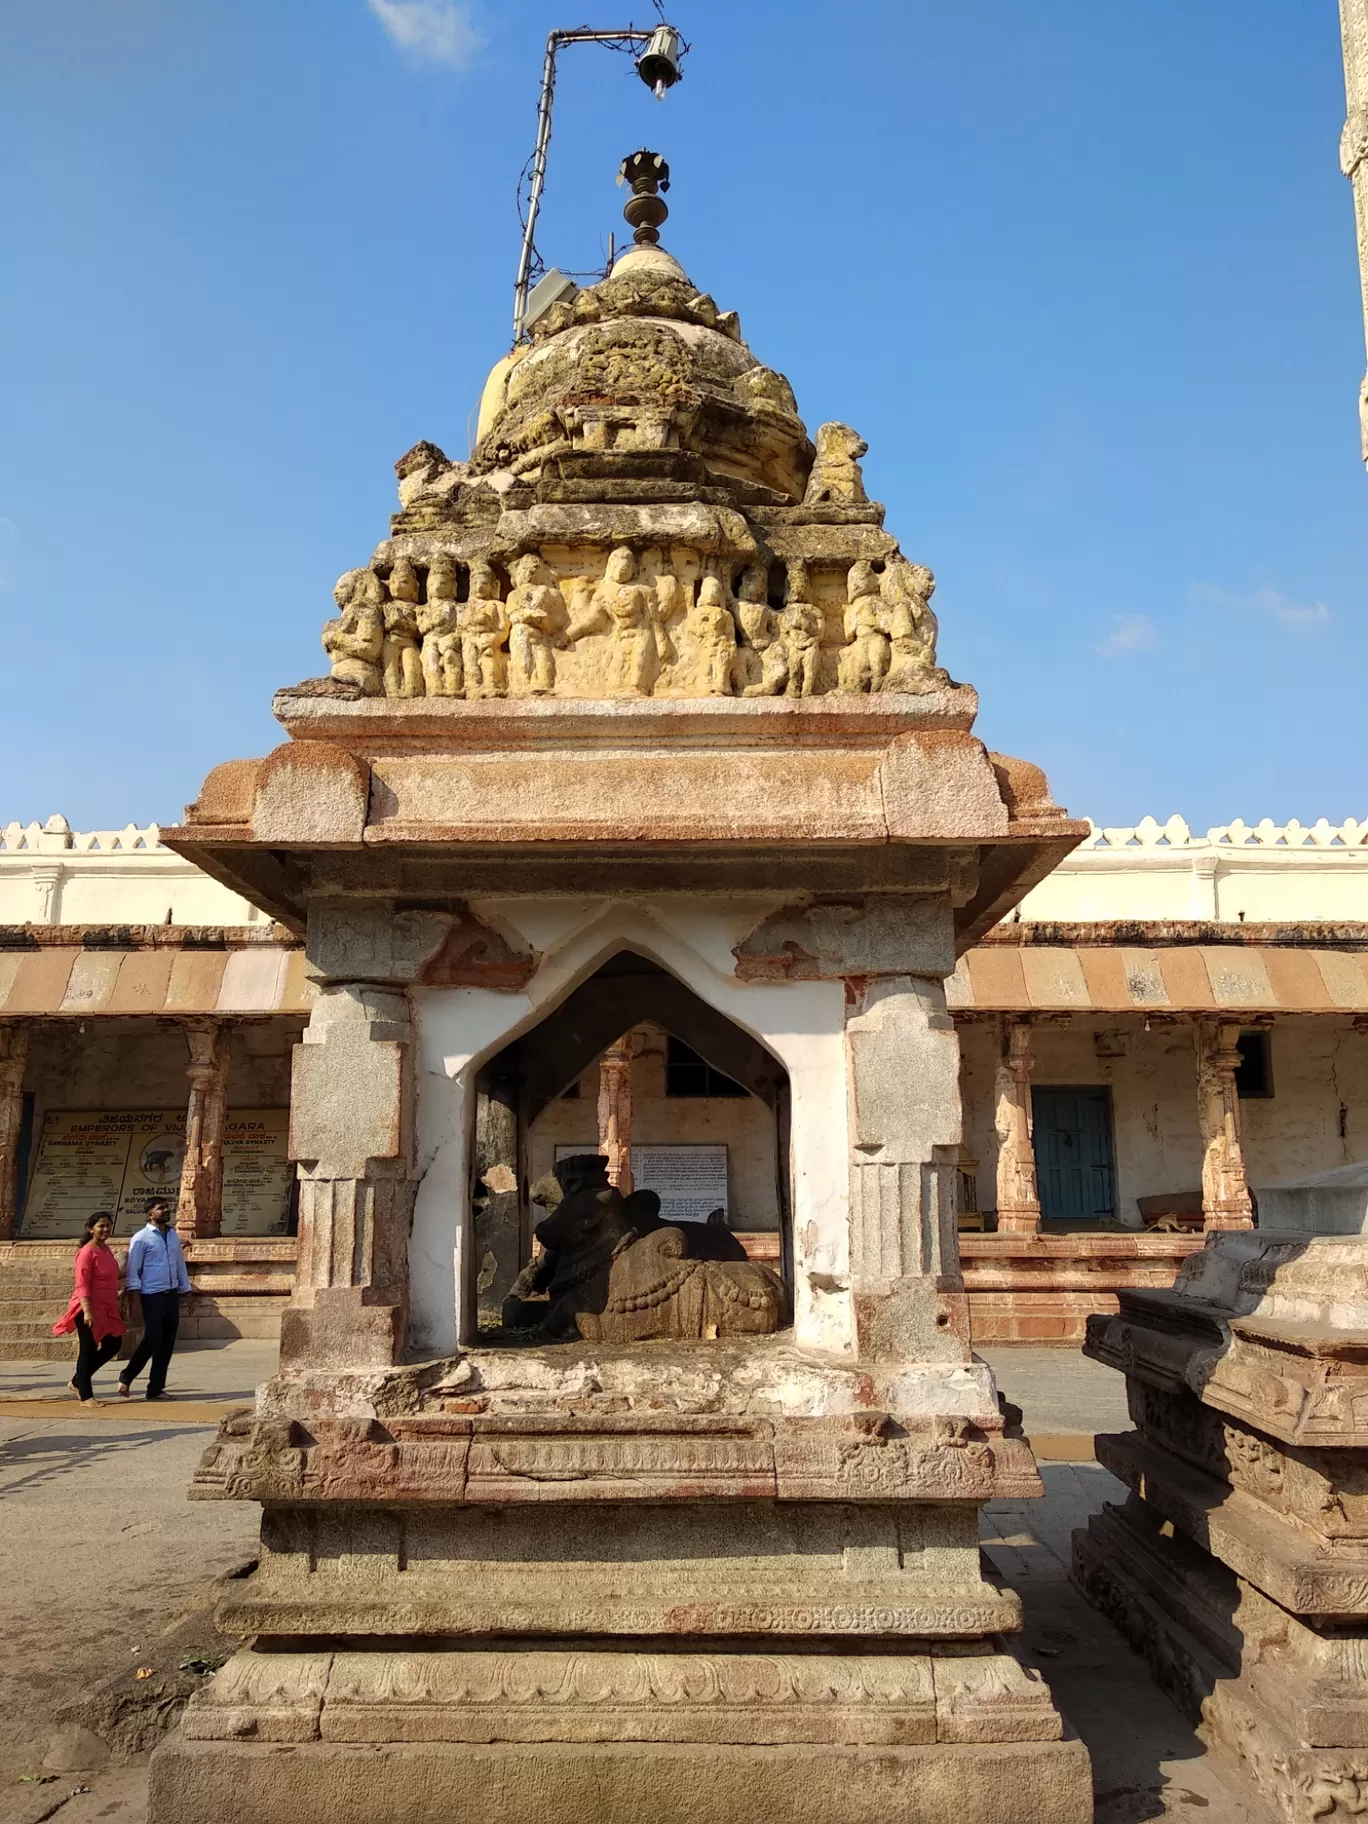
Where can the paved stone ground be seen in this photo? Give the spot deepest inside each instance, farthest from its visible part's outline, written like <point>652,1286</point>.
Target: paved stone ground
<point>103,1557</point>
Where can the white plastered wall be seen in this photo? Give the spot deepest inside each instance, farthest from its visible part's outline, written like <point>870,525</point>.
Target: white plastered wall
<point>801,1023</point>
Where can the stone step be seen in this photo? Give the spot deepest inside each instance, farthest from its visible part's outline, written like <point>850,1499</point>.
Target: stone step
<point>33,1349</point>
<point>23,1282</point>
<point>21,1329</point>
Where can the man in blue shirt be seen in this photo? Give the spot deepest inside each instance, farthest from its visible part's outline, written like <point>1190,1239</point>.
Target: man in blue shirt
<point>156,1272</point>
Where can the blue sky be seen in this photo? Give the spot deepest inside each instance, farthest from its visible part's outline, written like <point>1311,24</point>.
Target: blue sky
<point>1082,273</point>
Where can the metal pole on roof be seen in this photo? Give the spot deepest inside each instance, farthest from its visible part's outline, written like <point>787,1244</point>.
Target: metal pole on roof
<point>658,67</point>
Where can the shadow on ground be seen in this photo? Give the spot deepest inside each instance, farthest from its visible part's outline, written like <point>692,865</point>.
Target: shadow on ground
<point>1147,1761</point>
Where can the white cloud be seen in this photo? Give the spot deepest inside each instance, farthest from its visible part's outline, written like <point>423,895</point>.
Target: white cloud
<point>1129,633</point>
<point>436,31</point>
<point>1298,617</point>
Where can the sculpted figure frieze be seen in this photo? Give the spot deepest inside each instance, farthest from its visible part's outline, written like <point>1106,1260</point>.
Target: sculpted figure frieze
<point>626,608</point>
<point>400,659</point>
<point>864,658</point>
<point>760,668</point>
<point>660,622</point>
<point>537,623</point>
<point>355,640</point>
<point>801,627</point>
<point>484,635</point>
<point>439,624</point>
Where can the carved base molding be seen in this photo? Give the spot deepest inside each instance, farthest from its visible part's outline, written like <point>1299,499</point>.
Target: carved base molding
<point>570,1736</point>
<point>1289,1699</point>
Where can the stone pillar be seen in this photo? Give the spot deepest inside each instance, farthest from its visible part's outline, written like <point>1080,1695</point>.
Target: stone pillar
<point>1018,1198</point>
<point>500,1248</point>
<point>13,1057</point>
<point>904,1117</point>
<point>351,1132</point>
<point>615,1112</point>
<point>1354,152</point>
<point>1225,1191</point>
<point>199,1208</point>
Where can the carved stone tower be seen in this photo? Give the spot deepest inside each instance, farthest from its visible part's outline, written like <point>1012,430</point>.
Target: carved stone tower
<point>637,710</point>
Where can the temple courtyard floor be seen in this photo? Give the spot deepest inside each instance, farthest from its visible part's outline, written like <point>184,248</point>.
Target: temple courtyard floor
<point>109,1573</point>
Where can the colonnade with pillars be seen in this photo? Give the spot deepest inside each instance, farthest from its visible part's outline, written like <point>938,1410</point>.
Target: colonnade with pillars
<point>1226,1202</point>
<point>199,1203</point>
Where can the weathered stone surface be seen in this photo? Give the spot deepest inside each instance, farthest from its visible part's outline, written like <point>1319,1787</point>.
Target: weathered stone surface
<point>562,1783</point>
<point>893,934</point>
<point>1239,1565</point>
<point>451,1457</point>
<point>312,792</point>
<point>351,940</point>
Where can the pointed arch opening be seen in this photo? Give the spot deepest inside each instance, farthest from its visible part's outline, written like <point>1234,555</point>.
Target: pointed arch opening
<point>632,1062</point>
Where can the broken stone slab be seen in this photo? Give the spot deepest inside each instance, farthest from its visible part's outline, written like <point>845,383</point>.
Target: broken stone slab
<point>1239,1564</point>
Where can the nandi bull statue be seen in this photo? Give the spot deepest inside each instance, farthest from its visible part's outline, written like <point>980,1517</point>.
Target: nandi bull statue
<point>613,1272</point>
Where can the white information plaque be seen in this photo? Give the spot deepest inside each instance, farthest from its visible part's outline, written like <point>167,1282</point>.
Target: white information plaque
<point>690,1181</point>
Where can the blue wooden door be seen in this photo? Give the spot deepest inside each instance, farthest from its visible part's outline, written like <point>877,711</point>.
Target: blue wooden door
<point>1075,1167</point>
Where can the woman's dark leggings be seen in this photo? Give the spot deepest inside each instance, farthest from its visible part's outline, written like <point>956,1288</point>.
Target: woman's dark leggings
<point>92,1355</point>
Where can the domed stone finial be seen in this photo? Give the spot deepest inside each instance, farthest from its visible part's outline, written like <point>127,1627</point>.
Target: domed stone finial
<point>648,174</point>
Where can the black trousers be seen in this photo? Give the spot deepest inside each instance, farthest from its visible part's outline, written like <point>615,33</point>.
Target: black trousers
<point>161,1320</point>
<point>91,1355</point>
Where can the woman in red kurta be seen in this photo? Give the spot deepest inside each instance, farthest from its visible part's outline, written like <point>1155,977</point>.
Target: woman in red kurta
<point>94,1309</point>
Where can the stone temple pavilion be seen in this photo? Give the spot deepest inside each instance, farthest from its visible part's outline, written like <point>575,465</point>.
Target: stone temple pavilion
<point>635,716</point>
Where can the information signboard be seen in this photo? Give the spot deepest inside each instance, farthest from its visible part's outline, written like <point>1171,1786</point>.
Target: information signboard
<point>690,1181</point>
<point>119,1159</point>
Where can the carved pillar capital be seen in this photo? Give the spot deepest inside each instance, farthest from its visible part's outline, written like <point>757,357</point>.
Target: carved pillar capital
<point>1226,1203</point>
<point>1018,1197</point>
<point>14,1039</point>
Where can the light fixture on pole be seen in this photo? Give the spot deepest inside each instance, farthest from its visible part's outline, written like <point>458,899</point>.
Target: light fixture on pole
<point>660,52</point>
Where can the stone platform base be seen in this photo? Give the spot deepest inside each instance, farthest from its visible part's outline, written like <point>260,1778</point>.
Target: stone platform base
<point>588,1736</point>
<point>619,1783</point>
<point>1289,1699</point>
<point>1042,1289</point>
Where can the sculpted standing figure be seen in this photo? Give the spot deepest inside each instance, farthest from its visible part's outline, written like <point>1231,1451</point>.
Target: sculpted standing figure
<point>801,627</point>
<point>402,664</point>
<point>711,633</point>
<point>443,672</point>
<point>536,613</point>
<point>355,640</point>
<point>484,635</point>
<point>911,627</point>
<point>625,608</point>
<point>761,666</point>
<point>864,658</point>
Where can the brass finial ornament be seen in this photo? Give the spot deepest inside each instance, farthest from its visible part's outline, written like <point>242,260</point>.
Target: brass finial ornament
<point>645,210</point>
